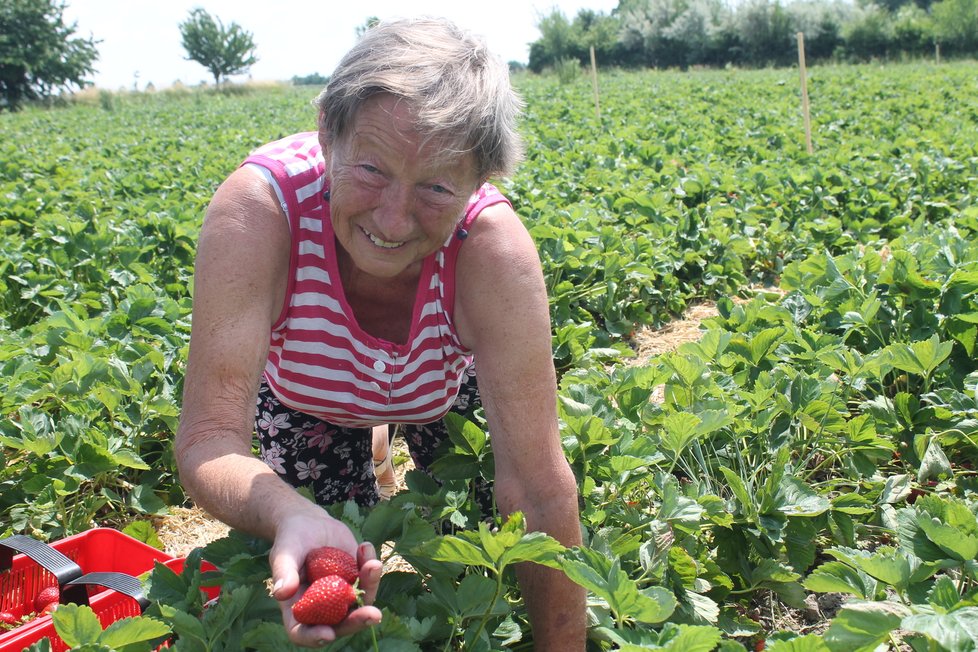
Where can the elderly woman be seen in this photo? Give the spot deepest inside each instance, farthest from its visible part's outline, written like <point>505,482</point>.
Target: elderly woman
<point>351,277</point>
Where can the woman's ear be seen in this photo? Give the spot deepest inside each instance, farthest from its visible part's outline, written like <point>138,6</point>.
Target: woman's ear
<point>324,143</point>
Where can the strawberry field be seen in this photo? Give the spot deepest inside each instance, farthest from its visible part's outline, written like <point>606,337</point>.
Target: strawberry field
<point>817,440</point>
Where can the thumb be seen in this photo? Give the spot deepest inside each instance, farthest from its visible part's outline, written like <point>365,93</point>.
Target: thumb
<point>285,562</point>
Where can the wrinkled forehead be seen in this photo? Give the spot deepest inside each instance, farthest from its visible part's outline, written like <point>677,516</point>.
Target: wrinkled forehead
<point>385,115</point>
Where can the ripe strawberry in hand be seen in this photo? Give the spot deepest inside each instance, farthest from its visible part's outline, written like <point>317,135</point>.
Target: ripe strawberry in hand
<point>331,561</point>
<point>325,602</point>
<point>47,596</point>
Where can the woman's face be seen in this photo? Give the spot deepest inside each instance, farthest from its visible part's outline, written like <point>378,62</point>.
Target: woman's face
<point>394,198</point>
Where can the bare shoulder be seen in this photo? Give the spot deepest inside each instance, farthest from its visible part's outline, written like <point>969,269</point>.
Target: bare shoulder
<point>499,280</point>
<point>246,202</point>
<point>497,236</point>
<point>244,245</point>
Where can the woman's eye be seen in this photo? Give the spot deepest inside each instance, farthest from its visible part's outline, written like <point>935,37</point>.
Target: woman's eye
<point>369,168</point>
<point>439,189</point>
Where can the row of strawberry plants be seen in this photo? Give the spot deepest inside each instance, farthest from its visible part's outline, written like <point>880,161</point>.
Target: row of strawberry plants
<point>682,190</point>
<point>635,217</point>
<point>789,454</point>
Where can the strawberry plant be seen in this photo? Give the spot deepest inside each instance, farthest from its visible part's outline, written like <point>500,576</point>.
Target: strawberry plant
<point>819,436</point>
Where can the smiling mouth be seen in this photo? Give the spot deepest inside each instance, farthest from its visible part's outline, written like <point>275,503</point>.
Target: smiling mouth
<point>384,244</point>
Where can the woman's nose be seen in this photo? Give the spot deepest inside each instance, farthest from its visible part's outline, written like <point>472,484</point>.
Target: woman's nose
<point>394,214</point>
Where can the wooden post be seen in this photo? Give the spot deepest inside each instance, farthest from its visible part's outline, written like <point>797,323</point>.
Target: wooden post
<point>804,92</point>
<point>937,52</point>
<point>594,82</point>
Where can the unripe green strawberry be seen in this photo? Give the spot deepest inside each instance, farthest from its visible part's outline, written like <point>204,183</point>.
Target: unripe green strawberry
<point>325,602</point>
<point>331,561</point>
<point>47,596</point>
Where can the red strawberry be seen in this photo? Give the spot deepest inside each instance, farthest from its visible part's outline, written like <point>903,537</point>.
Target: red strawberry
<point>46,597</point>
<point>49,607</point>
<point>325,602</point>
<point>331,561</point>
<point>7,618</point>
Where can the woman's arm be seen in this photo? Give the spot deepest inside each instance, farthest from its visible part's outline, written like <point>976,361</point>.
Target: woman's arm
<point>239,286</point>
<point>503,315</point>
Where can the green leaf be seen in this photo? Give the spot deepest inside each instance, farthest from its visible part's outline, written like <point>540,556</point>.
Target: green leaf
<point>798,499</point>
<point>895,489</point>
<point>913,538</point>
<point>710,345</point>
<point>129,459</point>
<point>934,463</point>
<point>133,630</point>
<point>943,596</point>
<point>852,503</point>
<point>953,541</point>
<point>474,597</point>
<point>703,608</point>
<point>145,532</point>
<point>534,547</point>
<point>266,637</point>
<point>607,580</point>
<point>680,431</point>
<point>956,631</point>
<point>920,358</point>
<point>836,577</point>
<point>454,549</point>
<point>739,490</point>
<point>887,564</point>
<point>861,626</point>
<point>76,624</point>
<point>465,434</point>
<point>764,342</point>
<point>772,570</point>
<point>454,466</point>
<point>799,535</point>
<point>691,638</point>
<point>807,643</point>
<point>688,371</point>
<point>144,499</point>
<point>963,329</point>
<point>574,408</point>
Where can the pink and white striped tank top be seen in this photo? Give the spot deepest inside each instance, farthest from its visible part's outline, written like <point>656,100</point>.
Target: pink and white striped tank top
<point>320,361</point>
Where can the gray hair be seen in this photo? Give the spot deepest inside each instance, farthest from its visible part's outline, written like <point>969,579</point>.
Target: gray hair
<point>458,91</point>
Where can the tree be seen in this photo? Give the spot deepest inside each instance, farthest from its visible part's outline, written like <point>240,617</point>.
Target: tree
<point>315,79</point>
<point>869,34</point>
<point>368,24</point>
<point>555,44</point>
<point>224,51</point>
<point>562,40</point>
<point>38,53</point>
<point>956,26</point>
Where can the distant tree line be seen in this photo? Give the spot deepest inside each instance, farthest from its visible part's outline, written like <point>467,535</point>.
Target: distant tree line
<point>683,33</point>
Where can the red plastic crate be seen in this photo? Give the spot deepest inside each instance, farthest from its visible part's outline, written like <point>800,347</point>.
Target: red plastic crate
<point>108,605</point>
<point>97,550</point>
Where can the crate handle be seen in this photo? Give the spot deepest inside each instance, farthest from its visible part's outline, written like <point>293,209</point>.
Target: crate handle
<point>56,563</point>
<point>119,582</point>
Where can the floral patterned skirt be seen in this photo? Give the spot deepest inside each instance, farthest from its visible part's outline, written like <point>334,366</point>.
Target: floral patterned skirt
<point>336,462</point>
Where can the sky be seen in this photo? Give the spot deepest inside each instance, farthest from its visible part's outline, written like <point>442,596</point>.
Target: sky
<point>140,39</point>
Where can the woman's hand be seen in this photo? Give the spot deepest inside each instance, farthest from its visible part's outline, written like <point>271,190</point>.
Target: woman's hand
<point>294,540</point>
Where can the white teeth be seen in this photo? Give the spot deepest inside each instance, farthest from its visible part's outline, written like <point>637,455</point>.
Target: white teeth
<point>382,243</point>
